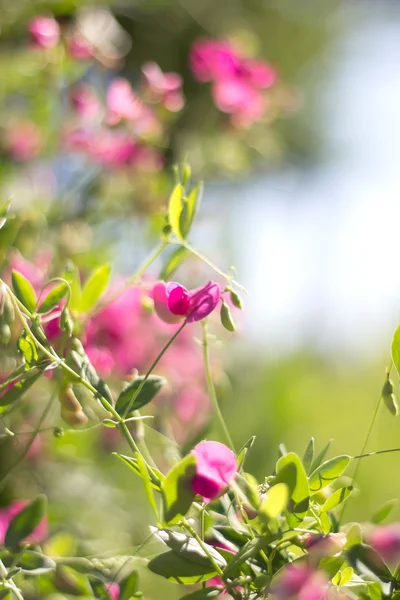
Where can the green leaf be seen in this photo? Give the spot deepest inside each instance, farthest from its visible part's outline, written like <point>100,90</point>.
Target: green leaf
<point>24,291</point>
<point>207,593</point>
<point>226,317</point>
<point>128,586</point>
<point>151,387</point>
<point>27,347</point>
<point>86,370</point>
<point>173,262</point>
<point>189,208</point>
<point>337,498</point>
<point>290,470</point>
<point>95,287</point>
<point>343,576</point>
<point>318,460</point>
<point>189,548</point>
<point>175,207</point>
<point>362,554</point>
<point>177,492</point>
<point>53,298</point>
<point>16,392</point>
<point>174,567</point>
<point>275,501</point>
<point>396,350</point>
<point>309,455</point>
<point>156,476</point>
<point>144,474</point>
<point>26,521</point>
<point>328,472</point>
<point>384,511</point>
<point>3,213</point>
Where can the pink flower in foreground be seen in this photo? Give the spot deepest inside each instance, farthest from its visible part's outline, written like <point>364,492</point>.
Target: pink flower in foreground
<point>213,59</point>
<point>122,102</point>
<point>9,512</point>
<point>235,96</point>
<point>216,467</point>
<point>386,541</point>
<point>164,87</point>
<point>113,589</point>
<point>79,47</point>
<point>174,303</point>
<point>45,31</point>
<point>300,582</point>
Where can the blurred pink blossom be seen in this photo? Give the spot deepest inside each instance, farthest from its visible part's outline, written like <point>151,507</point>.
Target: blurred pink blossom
<point>45,31</point>
<point>320,545</point>
<point>211,60</point>
<point>113,589</point>
<point>122,102</point>
<point>174,303</point>
<point>386,541</point>
<point>164,87</point>
<point>9,512</point>
<point>85,101</point>
<point>23,140</point>
<point>216,467</point>
<point>301,582</point>
<point>79,47</point>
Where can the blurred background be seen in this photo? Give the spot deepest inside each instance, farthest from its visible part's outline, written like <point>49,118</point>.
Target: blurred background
<point>302,200</point>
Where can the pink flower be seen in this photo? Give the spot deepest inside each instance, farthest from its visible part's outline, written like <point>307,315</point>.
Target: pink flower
<point>237,97</point>
<point>213,59</point>
<point>301,582</point>
<point>45,31</point>
<point>122,102</point>
<point>9,512</point>
<point>386,541</point>
<point>23,140</point>
<point>174,303</point>
<point>113,589</point>
<point>258,73</point>
<point>216,467</point>
<point>164,87</point>
<point>320,545</point>
<point>79,47</point>
<point>85,101</point>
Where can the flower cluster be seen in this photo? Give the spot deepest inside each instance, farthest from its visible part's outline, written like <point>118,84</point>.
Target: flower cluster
<point>238,83</point>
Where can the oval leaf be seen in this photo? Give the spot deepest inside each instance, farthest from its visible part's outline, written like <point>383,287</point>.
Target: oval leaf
<point>24,291</point>
<point>53,298</point>
<point>290,471</point>
<point>130,400</point>
<point>95,287</point>
<point>174,567</point>
<point>175,207</point>
<point>328,472</point>
<point>177,490</point>
<point>337,498</point>
<point>26,521</point>
<point>309,455</point>
<point>384,511</point>
<point>173,263</point>
<point>275,501</point>
<point>189,548</point>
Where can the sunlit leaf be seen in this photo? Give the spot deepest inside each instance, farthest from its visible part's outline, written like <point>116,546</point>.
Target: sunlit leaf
<point>320,457</point>
<point>290,470</point>
<point>384,511</point>
<point>243,452</point>
<point>175,206</point>
<point>308,455</point>
<point>177,492</point>
<point>396,350</point>
<point>156,476</point>
<point>337,498</point>
<point>27,347</point>
<point>24,291</point>
<point>53,298</point>
<point>144,474</point>
<point>95,287</point>
<point>275,501</point>
<point>328,472</point>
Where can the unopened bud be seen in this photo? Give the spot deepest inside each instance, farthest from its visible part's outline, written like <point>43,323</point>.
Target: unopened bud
<point>7,311</point>
<point>5,334</point>
<point>66,322</point>
<point>389,398</point>
<point>58,432</point>
<point>71,410</point>
<point>235,298</point>
<point>226,317</point>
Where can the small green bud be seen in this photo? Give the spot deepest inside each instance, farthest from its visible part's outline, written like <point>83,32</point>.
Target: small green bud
<point>66,322</point>
<point>5,334</point>
<point>58,432</point>
<point>76,345</point>
<point>389,398</point>
<point>226,317</point>
<point>167,229</point>
<point>7,310</point>
<point>109,423</point>
<point>235,298</point>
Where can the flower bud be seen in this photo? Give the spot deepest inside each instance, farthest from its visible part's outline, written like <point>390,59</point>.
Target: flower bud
<point>5,334</point>
<point>226,317</point>
<point>71,410</point>
<point>7,312</point>
<point>235,298</point>
<point>66,322</point>
<point>216,467</point>
<point>58,432</point>
<point>389,398</point>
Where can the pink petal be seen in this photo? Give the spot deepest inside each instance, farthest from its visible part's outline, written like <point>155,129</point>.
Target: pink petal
<point>203,301</point>
<point>161,293</point>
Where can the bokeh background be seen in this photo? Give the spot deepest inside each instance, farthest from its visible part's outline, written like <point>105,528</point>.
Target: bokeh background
<point>305,206</point>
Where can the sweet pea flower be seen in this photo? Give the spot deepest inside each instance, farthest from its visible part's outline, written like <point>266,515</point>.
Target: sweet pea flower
<point>174,303</point>
<point>386,541</point>
<point>213,59</point>
<point>9,512</point>
<point>216,467</point>
<point>122,102</point>
<point>301,582</point>
<point>45,32</point>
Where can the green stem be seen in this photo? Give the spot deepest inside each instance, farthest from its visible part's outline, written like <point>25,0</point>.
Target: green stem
<point>211,389</point>
<point>205,260</point>
<point>156,361</point>
<point>377,452</point>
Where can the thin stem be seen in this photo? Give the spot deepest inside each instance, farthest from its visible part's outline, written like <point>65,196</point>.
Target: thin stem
<point>132,280</point>
<point>211,389</point>
<point>156,361</point>
<point>377,452</point>
<point>205,260</point>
